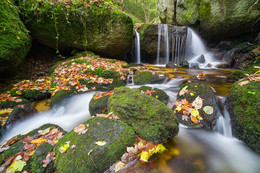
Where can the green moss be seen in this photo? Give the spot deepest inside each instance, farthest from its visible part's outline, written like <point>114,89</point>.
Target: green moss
<point>190,12</point>
<point>236,75</point>
<point>11,104</point>
<point>205,11</point>
<point>36,162</point>
<point>15,41</point>
<point>146,77</point>
<point>61,95</point>
<point>158,94</point>
<point>14,148</point>
<point>244,107</point>
<point>90,157</point>
<point>78,61</point>
<point>151,119</point>
<point>98,106</point>
<point>254,68</point>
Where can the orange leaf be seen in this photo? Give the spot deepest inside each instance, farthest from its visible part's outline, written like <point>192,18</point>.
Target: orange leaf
<point>193,119</point>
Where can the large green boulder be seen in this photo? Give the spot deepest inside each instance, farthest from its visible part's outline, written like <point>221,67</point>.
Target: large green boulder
<point>97,26</point>
<point>103,143</point>
<point>15,41</point>
<point>151,119</point>
<point>98,105</point>
<point>243,104</point>
<point>196,106</point>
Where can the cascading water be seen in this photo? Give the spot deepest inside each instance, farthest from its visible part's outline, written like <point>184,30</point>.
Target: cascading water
<point>196,51</point>
<point>178,46</point>
<point>221,154</point>
<point>163,37</point>
<point>137,47</point>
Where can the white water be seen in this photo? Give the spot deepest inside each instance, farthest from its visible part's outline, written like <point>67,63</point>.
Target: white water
<point>73,112</point>
<point>222,154</point>
<point>195,48</point>
<point>137,47</point>
<point>163,36</point>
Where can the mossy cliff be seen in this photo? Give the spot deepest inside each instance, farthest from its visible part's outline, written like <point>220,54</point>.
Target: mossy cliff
<point>151,119</point>
<point>243,104</point>
<point>15,41</point>
<point>87,155</point>
<point>95,26</point>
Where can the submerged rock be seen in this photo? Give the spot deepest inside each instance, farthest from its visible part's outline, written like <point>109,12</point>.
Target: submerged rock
<point>151,119</point>
<point>88,25</point>
<point>196,106</point>
<point>103,143</point>
<point>15,41</point>
<point>243,104</point>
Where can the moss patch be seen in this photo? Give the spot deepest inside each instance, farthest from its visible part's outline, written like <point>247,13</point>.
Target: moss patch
<point>158,94</point>
<point>146,77</point>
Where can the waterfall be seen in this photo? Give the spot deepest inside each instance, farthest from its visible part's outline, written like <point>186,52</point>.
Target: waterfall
<point>137,47</point>
<point>163,35</point>
<point>196,51</point>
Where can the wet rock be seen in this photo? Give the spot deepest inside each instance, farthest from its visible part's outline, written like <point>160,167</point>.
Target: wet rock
<point>88,155</point>
<point>235,75</point>
<point>151,119</point>
<point>146,77</point>
<point>194,65</point>
<point>243,106</point>
<point>201,59</point>
<point>184,64</point>
<point>20,112</point>
<point>202,108</point>
<point>99,105</point>
<point>61,95</point>
<point>171,65</point>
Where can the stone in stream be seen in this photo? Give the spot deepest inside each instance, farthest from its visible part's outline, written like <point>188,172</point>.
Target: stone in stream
<point>243,104</point>
<point>151,119</point>
<point>196,106</point>
<point>95,150</point>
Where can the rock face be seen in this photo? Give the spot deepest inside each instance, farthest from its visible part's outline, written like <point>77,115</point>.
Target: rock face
<point>196,106</point>
<point>215,19</point>
<point>243,104</point>
<point>94,26</point>
<point>151,119</point>
<point>149,41</point>
<point>15,41</point>
<point>87,155</point>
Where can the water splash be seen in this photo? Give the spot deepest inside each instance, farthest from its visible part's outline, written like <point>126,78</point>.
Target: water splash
<point>196,51</point>
<point>137,47</point>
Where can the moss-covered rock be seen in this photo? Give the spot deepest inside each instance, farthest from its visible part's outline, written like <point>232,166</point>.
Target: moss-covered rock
<point>30,94</point>
<point>36,162</point>
<point>187,12</point>
<point>84,25</point>
<point>61,95</point>
<point>146,77</point>
<point>11,104</point>
<point>87,156</point>
<point>204,96</point>
<point>243,104</point>
<point>156,93</point>
<point>98,106</point>
<point>151,120</point>
<point>15,41</point>
<point>235,75</point>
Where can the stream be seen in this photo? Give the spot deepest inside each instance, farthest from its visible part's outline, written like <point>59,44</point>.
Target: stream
<point>192,150</point>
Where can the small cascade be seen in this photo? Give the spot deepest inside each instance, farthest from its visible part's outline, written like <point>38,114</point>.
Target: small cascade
<point>223,125</point>
<point>196,51</point>
<point>171,43</point>
<point>130,78</point>
<point>163,37</point>
<point>137,47</point>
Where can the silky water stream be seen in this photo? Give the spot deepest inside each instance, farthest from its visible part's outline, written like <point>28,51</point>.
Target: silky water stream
<point>192,150</point>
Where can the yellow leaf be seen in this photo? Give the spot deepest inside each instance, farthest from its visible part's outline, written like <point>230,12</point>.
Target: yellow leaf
<point>160,148</point>
<point>191,94</point>
<point>18,92</point>
<point>101,143</point>
<point>118,166</point>
<point>208,110</point>
<point>178,108</point>
<point>195,113</point>
<point>18,37</point>
<point>144,156</point>
<point>65,147</point>
<point>16,166</point>
<point>38,141</point>
<point>43,132</point>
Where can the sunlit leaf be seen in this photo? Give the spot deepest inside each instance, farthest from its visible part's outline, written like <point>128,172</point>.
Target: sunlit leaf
<point>194,120</point>
<point>208,110</point>
<point>243,83</point>
<point>144,156</point>
<point>118,166</point>
<point>101,143</point>
<point>160,148</point>
<point>16,166</point>
<point>178,108</point>
<point>38,141</point>
<point>80,129</point>
<point>64,147</point>
<point>195,113</point>
<point>43,132</point>
<point>197,103</point>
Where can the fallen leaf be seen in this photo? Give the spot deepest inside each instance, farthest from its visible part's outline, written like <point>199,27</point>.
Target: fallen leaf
<point>119,165</point>
<point>17,165</point>
<point>49,157</point>
<point>38,141</point>
<point>243,83</point>
<point>208,110</point>
<point>144,156</point>
<point>197,103</point>
<point>101,143</point>
<point>44,132</point>
<point>80,129</point>
<point>65,147</point>
<point>194,120</point>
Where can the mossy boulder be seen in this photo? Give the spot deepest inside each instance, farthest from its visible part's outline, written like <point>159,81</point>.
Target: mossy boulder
<point>30,94</point>
<point>151,119</point>
<point>61,95</point>
<point>15,41</point>
<point>96,26</point>
<point>11,104</point>
<point>156,93</point>
<point>235,75</point>
<point>243,104</point>
<point>147,77</point>
<point>87,156</point>
<point>99,105</point>
<point>204,96</point>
